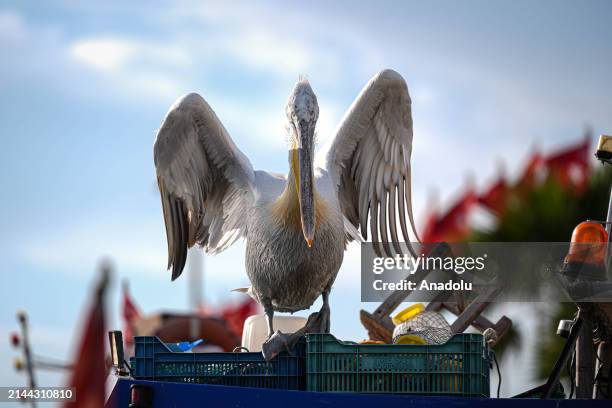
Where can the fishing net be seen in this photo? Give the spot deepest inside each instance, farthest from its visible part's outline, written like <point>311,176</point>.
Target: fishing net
<point>424,328</point>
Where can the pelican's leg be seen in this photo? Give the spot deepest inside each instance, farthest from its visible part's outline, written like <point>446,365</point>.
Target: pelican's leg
<point>325,313</point>
<point>269,311</point>
<point>319,322</point>
<point>276,342</point>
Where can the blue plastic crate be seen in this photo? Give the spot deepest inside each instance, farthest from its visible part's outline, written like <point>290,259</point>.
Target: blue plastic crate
<point>459,367</point>
<point>154,360</point>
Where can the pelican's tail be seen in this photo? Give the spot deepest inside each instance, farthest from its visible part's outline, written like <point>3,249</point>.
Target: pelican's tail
<point>248,291</point>
<point>242,290</point>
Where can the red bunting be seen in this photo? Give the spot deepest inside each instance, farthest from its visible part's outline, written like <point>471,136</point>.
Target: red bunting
<point>532,174</point>
<point>570,167</point>
<point>495,197</point>
<point>454,225</point>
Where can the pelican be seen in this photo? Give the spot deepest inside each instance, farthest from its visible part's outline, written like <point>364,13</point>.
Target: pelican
<point>297,225</point>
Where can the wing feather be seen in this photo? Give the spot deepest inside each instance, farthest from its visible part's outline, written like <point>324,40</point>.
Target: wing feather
<point>382,224</point>
<point>374,225</point>
<point>205,181</point>
<point>369,160</point>
<point>392,220</point>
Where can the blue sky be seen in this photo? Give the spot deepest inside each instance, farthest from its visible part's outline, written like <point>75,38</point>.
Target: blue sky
<point>85,86</point>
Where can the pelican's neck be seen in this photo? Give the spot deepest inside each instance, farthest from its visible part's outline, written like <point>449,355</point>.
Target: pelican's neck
<point>287,207</point>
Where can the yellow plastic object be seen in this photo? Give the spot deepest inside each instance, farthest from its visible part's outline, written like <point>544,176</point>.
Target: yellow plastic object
<point>410,339</point>
<point>372,342</point>
<point>408,313</point>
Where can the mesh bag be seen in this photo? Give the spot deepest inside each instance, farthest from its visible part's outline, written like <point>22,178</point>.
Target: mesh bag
<point>425,328</point>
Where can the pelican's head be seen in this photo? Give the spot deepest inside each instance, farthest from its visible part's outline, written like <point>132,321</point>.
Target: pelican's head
<point>302,113</point>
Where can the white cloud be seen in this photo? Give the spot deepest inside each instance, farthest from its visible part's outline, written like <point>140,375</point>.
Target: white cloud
<point>147,67</point>
<point>254,123</point>
<point>104,67</point>
<point>262,49</point>
<point>278,53</point>
<point>199,39</point>
<point>113,54</point>
<point>134,67</point>
<point>12,28</point>
<point>267,38</point>
<point>104,54</point>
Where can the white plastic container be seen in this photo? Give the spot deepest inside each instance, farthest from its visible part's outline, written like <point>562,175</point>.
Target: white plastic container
<point>255,331</point>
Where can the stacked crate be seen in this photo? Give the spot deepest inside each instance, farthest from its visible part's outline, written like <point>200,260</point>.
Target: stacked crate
<point>322,363</point>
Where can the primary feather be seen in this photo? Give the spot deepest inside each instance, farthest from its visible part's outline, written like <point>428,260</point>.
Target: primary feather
<point>369,161</point>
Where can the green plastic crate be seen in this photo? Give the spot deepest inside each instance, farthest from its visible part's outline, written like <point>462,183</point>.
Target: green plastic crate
<point>155,360</point>
<point>459,367</point>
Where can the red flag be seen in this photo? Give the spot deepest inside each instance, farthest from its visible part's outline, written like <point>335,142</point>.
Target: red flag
<point>531,174</point>
<point>495,198</point>
<point>454,225</point>
<point>130,314</point>
<point>90,370</point>
<point>429,230</point>
<point>570,167</point>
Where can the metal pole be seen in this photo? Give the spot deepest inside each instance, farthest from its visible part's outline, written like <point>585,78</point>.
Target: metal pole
<point>51,366</point>
<point>609,231</point>
<point>609,218</point>
<point>46,363</point>
<point>585,355</point>
<point>196,263</point>
<point>553,379</point>
<point>602,388</point>
<point>27,353</point>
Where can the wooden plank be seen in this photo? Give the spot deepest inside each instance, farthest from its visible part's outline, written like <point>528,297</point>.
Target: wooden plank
<point>465,319</point>
<point>379,328</point>
<point>460,300</point>
<point>481,323</point>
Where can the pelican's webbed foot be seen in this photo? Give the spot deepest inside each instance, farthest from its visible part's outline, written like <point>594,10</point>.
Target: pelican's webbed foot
<point>318,322</point>
<point>279,342</point>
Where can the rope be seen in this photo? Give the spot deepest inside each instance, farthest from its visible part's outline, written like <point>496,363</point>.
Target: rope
<point>498,374</point>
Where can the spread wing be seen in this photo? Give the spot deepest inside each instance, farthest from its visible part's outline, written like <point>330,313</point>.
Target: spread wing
<point>204,180</point>
<point>369,161</point>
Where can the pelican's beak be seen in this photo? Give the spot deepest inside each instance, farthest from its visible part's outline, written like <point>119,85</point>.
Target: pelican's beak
<point>306,188</point>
